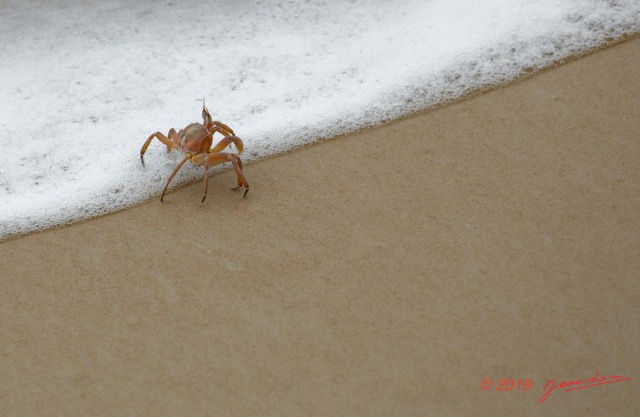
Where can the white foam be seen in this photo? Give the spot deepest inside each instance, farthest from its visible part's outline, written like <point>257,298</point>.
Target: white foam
<point>83,84</point>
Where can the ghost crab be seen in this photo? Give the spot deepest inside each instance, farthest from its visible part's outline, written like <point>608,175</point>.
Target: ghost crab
<point>195,142</point>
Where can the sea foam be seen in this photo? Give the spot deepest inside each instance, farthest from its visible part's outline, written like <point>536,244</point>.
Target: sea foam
<point>84,83</point>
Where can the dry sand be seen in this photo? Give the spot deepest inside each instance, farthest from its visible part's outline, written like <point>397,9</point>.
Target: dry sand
<point>387,272</point>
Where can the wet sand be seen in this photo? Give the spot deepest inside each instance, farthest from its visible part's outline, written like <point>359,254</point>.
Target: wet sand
<point>388,272</point>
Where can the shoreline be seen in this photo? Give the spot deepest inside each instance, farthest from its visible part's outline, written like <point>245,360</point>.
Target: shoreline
<point>470,95</point>
<point>388,271</point>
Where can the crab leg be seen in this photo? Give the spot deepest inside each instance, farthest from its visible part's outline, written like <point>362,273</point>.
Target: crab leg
<point>225,130</point>
<point>242,181</point>
<point>226,142</point>
<point>213,128</point>
<point>200,159</point>
<point>172,142</point>
<point>206,183</point>
<point>173,174</point>
<point>219,158</point>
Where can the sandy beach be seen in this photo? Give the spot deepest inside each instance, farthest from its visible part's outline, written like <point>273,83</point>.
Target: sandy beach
<point>388,272</point>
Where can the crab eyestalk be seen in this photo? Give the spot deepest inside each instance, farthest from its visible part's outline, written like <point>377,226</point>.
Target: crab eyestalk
<point>205,115</point>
